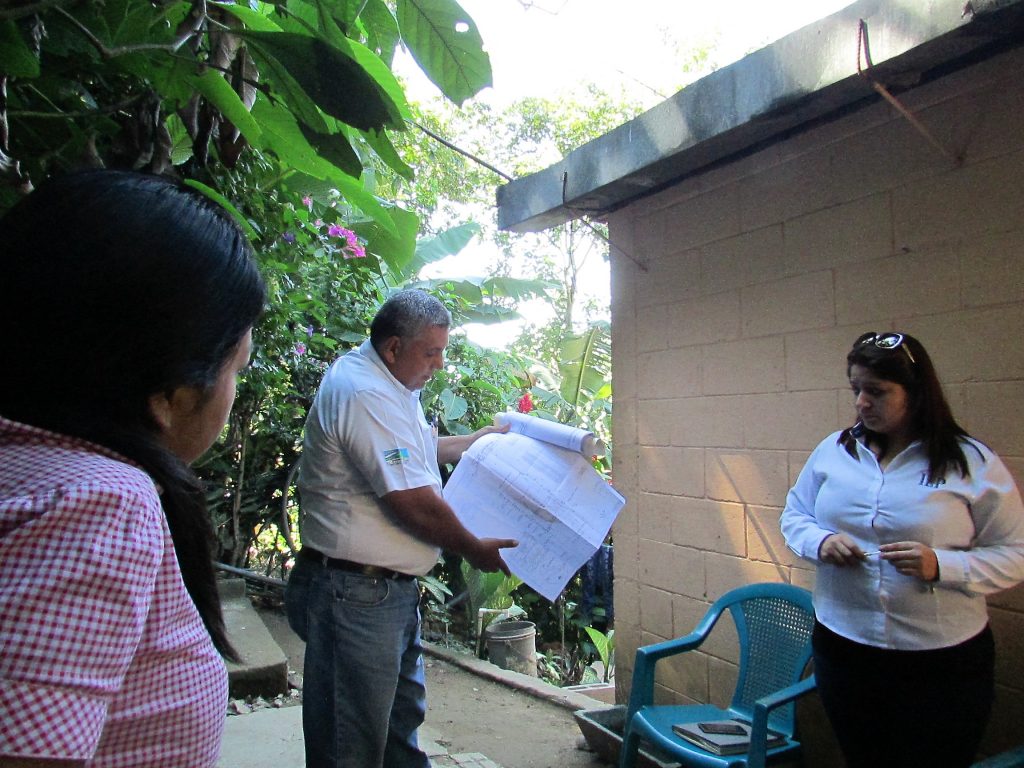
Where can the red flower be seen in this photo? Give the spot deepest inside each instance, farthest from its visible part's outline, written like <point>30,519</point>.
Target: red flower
<point>525,404</point>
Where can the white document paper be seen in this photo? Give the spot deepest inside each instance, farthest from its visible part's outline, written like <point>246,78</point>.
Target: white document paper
<point>547,497</point>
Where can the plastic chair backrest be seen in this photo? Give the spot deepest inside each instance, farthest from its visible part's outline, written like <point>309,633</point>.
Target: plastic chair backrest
<point>774,623</point>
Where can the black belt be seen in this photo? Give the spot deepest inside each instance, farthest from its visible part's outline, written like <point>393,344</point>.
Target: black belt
<point>308,553</point>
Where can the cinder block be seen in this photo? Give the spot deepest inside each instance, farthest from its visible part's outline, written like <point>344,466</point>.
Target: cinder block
<point>672,471</point>
<point>792,188</point>
<point>796,420</point>
<point>964,202</point>
<point>704,320</point>
<point>993,268</point>
<point>722,678</point>
<point>922,283</point>
<point>686,613</point>
<point>974,345</point>
<point>765,542</point>
<point>671,373</point>
<point>1016,466</point>
<point>725,573</point>
<point>816,359</point>
<point>656,611</point>
<point>625,428</point>
<point>673,276</point>
<point>1009,599</point>
<point>654,319</point>
<point>655,513</point>
<point>685,674</point>
<point>866,163</point>
<point>744,367</point>
<point>1003,730</point>
<point>703,219</point>
<point>749,477</point>
<point>627,598</point>
<point>797,459</point>
<point>675,569</point>
<point>654,420</point>
<point>712,525</point>
<point>1008,628</point>
<point>706,421</point>
<point>791,304</point>
<point>802,575</point>
<point>986,407</point>
<point>745,259</point>
<point>724,642</point>
<point>839,235</point>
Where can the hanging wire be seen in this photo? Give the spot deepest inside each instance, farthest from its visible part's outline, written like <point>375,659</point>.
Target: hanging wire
<point>864,47</point>
<point>501,174</point>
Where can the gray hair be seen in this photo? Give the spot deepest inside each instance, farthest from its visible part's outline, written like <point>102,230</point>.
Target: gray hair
<point>407,314</point>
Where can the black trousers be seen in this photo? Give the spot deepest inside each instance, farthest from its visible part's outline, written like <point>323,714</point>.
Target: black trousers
<point>905,708</point>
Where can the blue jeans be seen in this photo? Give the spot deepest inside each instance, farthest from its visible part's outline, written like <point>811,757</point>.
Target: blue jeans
<point>364,693</point>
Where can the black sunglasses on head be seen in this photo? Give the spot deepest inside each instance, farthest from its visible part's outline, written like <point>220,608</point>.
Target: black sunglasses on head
<point>887,341</point>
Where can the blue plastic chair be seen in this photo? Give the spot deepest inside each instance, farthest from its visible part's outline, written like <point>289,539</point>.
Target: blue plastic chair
<point>1011,758</point>
<point>774,622</point>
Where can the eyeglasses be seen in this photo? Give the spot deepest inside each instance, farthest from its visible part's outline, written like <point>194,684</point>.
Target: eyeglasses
<point>886,341</point>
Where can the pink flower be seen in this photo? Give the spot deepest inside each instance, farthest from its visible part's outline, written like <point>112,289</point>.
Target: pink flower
<point>354,252</point>
<point>525,404</point>
<point>300,349</point>
<point>318,223</point>
<point>308,202</point>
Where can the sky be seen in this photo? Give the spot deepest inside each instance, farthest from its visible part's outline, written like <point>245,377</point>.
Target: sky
<point>546,47</point>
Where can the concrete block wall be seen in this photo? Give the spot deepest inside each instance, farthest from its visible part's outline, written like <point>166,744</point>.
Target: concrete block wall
<point>735,297</point>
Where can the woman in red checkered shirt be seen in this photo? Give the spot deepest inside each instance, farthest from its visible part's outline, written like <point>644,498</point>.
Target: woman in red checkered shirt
<point>126,308</point>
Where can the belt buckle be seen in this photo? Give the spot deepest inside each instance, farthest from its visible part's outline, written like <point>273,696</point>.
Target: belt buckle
<point>377,572</point>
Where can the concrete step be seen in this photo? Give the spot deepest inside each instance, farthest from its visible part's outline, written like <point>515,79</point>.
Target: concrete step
<point>263,669</point>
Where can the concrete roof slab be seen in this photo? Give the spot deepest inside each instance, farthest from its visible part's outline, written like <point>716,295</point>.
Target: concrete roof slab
<point>806,76</point>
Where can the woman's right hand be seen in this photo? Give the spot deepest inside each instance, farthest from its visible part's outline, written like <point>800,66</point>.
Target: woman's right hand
<point>839,549</point>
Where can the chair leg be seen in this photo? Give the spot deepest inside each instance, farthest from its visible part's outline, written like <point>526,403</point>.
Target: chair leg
<point>630,748</point>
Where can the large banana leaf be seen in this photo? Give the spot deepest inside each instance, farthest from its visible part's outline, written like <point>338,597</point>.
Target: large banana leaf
<point>446,44</point>
<point>585,364</point>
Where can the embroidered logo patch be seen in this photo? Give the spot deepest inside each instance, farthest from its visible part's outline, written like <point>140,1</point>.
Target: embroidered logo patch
<point>396,456</point>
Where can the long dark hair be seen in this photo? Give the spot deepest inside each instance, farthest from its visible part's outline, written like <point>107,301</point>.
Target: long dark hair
<point>909,365</point>
<point>115,286</point>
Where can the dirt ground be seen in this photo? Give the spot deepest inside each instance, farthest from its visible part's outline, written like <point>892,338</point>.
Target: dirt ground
<point>473,714</point>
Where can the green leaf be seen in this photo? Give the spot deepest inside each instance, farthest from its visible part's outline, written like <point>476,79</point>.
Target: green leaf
<point>217,197</point>
<point>381,144</point>
<point>517,288</point>
<point>454,406</point>
<point>381,29</point>
<point>18,60</point>
<point>335,149</point>
<point>445,42</point>
<point>584,363</point>
<point>338,84</point>
<point>281,134</point>
<point>396,246</point>
<point>219,92</point>
<point>252,19</point>
<point>448,243</point>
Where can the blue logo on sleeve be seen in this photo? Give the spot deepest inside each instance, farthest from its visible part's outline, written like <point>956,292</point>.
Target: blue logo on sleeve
<point>396,456</point>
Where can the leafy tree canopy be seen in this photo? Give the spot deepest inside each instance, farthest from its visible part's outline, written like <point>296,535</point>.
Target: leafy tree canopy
<point>195,87</point>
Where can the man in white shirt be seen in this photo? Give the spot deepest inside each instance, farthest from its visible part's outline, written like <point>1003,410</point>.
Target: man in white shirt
<point>373,519</point>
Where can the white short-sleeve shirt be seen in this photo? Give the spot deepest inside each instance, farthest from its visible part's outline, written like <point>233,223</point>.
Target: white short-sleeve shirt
<point>366,436</point>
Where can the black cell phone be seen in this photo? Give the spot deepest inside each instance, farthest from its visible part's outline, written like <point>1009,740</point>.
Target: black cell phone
<point>725,729</point>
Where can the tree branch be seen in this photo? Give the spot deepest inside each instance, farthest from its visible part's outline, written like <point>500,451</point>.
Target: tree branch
<point>21,11</point>
<point>198,11</point>
<point>462,152</point>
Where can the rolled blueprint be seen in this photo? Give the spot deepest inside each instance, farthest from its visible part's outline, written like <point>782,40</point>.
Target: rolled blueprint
<point>573,438</point>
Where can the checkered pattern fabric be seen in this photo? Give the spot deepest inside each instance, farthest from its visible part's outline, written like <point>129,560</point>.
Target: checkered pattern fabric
<point>103,656</point>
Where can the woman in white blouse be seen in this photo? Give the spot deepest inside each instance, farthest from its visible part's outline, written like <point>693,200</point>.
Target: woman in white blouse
<point>911,522</point>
